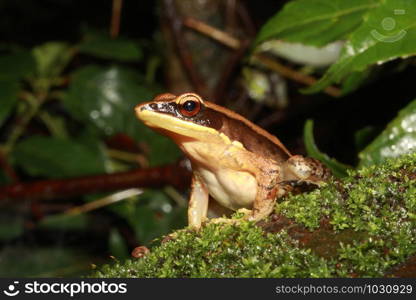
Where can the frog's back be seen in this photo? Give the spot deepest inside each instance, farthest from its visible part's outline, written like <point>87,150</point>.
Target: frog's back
<point>254,138</point>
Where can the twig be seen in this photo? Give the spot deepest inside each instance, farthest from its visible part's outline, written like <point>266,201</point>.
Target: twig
<point>246,20</point>
<point>227,40</point>
<point>230,19</point>
<point>272,64</point>
<point>111,199</point>
<point>33,106</point>
<point>182,49</point>
<point>176,175</point>
<point>287,72</point>
<point>212,32</point>
<point>55,127</point>
<point>7,168</point>
<point>228,70</point>
<point>115,18</point>
<point>177,197</point>
<point>125,156</point>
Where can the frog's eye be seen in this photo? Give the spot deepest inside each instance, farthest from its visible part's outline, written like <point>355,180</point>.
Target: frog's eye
<point>190,108</point>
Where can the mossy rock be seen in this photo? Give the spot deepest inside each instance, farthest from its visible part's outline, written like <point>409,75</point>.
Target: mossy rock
<point>361,226</point>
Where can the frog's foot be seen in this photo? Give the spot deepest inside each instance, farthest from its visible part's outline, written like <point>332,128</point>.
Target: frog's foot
<point>306,169</point>
<point>244,214</point>
<point>223,221</point>
<point>174,235</point>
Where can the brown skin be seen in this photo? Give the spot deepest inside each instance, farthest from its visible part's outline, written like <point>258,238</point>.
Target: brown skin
<point>236,162</point>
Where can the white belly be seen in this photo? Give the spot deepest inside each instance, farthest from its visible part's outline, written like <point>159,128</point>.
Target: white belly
<point>231,189</point>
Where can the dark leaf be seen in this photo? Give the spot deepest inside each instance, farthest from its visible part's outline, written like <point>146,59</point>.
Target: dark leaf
<point>65,222</point>
<point>117,245</point>
<point>337,168</point>
<point>398,138</point>
<point>106,96</point>
<point>57,158</point>
<point>9,90</point>
<point>51,58</point>
<point>103,46</point>
<point>388,32</point>
<point>316,22</point>
<point>17,66</point>
<point>363,137</point>
<point>34,261</point>
<point>11,227</point>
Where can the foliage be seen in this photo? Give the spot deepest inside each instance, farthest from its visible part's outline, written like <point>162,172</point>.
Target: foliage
<point>72,111</point>
<point>121,49</point>
<point>375,31</point>
<point>398,138</point>
<point>337,168</point>
<point>58,160</point>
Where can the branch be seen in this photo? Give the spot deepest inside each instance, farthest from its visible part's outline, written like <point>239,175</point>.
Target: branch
<point>176,175</point>
<point>184,54</point>
<point>115,18</point>
<point>294,75</point>
<point>272,64</point>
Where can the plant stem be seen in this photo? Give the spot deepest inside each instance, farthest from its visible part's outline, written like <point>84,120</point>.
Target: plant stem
<point>33,105</point>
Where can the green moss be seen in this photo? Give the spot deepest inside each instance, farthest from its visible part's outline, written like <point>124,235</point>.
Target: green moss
<point>361,226</point>
<point>224,251</point>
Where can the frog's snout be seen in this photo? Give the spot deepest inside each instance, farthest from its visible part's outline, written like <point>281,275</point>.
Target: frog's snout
<point>139,108</point>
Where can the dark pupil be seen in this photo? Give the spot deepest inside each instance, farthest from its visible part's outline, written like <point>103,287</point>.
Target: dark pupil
<point>189,106</point>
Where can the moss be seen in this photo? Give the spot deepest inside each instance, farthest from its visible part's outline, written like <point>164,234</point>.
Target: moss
<point>224,251</point>
<point>363,225</point>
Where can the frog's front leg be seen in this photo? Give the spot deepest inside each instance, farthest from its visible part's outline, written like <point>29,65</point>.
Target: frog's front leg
<point>268,190</point>
<point>198,203</point>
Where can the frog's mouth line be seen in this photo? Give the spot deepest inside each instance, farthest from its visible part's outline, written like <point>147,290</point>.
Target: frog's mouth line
<point>172,124</point>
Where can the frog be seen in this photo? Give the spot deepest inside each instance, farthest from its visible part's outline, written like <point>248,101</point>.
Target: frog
<point>235,162</point>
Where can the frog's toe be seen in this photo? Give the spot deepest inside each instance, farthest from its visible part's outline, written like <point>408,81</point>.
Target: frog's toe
<point>223,221</point>
<point>242,214</point>
<point>245,212</point>
<point>174,235</point>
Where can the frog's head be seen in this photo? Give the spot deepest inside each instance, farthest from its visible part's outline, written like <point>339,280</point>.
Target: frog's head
<point>184,116</point>
<point>188,117</point>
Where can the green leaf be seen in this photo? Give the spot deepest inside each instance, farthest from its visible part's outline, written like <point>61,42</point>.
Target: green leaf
<point>105,97</point>
<point>363,137</point>
<point>397,139</point>
<point>163,149</point>
<point>354,80</point>
<point>65,222</point>
<point>4,179</point>
<point>151,216</point>
<point>57,158</point>
<point>337,168</point>
<point>17,66</point>
<point>51,58</point>
<point>117,245</point>
<point>11,227</point>
<point>120,49</point>
<point>8,97</point>
<point>35,261</point>
<point>388,32</point>
<point>316,22</point>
